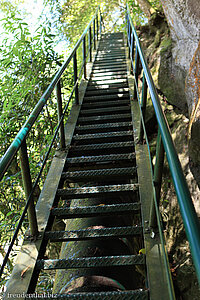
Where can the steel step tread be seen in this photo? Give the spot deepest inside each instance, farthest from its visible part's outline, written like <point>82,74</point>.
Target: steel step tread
<point>104,110</point>
<point>108,117</point>
<point>107,92</point>
<point>110,65</point>
<point>89,262</point>
<point>96,70</point>
<point>108,58</point>
<point>110,77</point>
<point>103,146</point>
<point>104,125</point>
<point>118,96</point>
<point>113,134</point>
<point>100,158</point>
<point>96,103</point>
<point>98,83</point>
<point>97,98</point>
<point>98,189</point>
<point>85,234</point>
<point>107,61</point>
<point>129,171</point>
<point>111,73</point>
<point>113,295</point>
<point>95,210</point>
<point>107,86</point>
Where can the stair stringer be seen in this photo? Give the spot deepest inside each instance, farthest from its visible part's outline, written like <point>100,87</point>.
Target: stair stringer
<point>158,271</point>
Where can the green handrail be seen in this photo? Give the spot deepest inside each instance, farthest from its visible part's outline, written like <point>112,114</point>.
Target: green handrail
<point>188,213</point>
<point>20,137</point>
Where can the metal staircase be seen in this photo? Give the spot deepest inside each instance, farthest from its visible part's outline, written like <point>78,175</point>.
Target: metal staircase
<point>101,186</point>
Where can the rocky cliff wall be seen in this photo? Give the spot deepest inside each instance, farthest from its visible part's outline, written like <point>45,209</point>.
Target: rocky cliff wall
<point>180,71</point>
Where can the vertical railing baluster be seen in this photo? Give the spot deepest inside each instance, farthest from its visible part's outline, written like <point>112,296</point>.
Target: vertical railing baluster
<point>132,50</point>
<point>84,57</point>
<point>127,28</point>
<point>94,39</point>
<point>97,26</point>
<point>90,43</point>
<point>60,111</point>
<point>129,39</point>
<point>27,183</point>
<point>75,77</point>
<point>158,169</point>
<point>101,20</point>
<point>136,73</point>
<point>143,107</point>
<point>130,31</point>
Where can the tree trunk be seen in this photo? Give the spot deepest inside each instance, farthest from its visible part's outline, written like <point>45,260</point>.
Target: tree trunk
<point>146,8</point>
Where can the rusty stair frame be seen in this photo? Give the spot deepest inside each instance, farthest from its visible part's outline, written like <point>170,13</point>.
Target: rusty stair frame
<point>18,283</point>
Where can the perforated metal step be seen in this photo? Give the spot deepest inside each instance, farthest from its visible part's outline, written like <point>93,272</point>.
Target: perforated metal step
<point>106,110</point>
<point>88,262</point>
<point>107,135</point>
<point>100,158</point>
<point>102,127</point>
<point>86,234</point>
<point>116,118</point>
<point>103,173</point>
<point>97,101</point>
<point>124,295</point>
<point>95,190</point>
<point>103,146</point>
<point>91,211</point>
<point>108,74</point>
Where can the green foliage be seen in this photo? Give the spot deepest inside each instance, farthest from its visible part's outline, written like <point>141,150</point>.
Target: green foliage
<point>27,64</point>
<point>138,15</point>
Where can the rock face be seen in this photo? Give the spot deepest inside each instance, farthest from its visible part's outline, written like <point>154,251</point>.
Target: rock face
<point>181,64</point>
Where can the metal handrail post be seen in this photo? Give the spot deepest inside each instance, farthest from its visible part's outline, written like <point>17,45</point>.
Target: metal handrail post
<point>94,39</point>
<point>27,184</point>
<point>97,27</point>
<point>60,112</point>
<point>143,107</point>
<point>136,73</point>
<point>160,152</point>
<point>132,52</point>
<point>84,58</point>
<point>75,78</point>
<point>90,43</point>
<point>101,21</point>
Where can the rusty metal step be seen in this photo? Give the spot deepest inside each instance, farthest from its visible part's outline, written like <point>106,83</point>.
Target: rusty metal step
<point>103,119</point>
<point>104,110</point>
<point>96,210</point>
<point>110,73</point>
<point>103,146</point>
<point>86,234</point>
<point>98,97</point>
<point>107,86</point>
<point>99,173</point>
<point>104,61</point>
<point>96,70</point>
<point>96,101</point>
<point>100,158</point>
<point>90,262</point>
<point>113,295</point>
<point>108,77</point>
<point>109,64</point>
<point>106,127</point>
<point>106,82</point>
<point>103,136</point>
<point>91,191</point>
<point>116,91</point>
